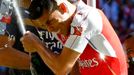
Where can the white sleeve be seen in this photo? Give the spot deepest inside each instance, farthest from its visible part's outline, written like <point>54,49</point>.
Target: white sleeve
<point>95,36</point>
<point>76,43</point>
<point>91,27</point>
<point>94,24</point>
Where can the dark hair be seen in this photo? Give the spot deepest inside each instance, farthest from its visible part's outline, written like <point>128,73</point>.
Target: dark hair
<point>38,6</point>
<point>73,1</point>
<point>130,35</point>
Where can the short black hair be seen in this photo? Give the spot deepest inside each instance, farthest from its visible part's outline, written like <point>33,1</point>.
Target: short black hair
<point>130,35</point>
<point>38,6</point>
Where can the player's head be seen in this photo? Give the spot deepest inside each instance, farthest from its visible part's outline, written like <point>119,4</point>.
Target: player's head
<point>60,17</point>
<point>37,7</point>
<point>53,13</point>
<point>129,45</point>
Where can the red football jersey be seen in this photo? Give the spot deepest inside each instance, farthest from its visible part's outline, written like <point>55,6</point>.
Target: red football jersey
<point>92,35</point>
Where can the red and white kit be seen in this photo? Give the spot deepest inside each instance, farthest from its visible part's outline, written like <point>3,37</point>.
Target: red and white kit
<point>92,35</point>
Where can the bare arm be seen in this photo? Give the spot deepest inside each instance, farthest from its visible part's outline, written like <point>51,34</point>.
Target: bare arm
<point>60,64</point>
<point>13,58</point>
<point>75,70</point>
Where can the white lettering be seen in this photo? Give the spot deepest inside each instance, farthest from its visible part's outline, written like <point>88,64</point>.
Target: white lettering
<point>47,35</point>
<point>88,63</point>
<point>96,63</point>
<point>51,45</point>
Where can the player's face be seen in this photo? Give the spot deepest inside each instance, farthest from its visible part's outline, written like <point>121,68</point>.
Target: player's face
<point>56,19</point>
<point>51,21</point>
<point>129,46</point>
<point>54,22</point>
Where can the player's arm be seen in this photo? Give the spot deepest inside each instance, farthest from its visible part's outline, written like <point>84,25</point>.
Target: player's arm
<point>59,64</point>
<point>75,70</point>
<point>11,57</point>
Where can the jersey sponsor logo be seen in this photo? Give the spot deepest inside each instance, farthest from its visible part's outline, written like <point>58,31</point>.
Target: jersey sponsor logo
<point>88,63</point>
<point>51,42</point>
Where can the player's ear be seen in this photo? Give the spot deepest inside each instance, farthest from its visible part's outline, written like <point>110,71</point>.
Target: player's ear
<point>63,7</point>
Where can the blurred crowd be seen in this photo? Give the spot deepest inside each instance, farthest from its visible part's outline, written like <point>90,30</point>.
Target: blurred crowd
<point>121,15</point>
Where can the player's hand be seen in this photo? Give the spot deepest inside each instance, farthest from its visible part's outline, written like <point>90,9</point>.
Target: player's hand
<point>6,41</point>
<point>30,42</point>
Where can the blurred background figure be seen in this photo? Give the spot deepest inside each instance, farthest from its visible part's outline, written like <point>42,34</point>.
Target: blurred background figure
<point>129,48</point>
